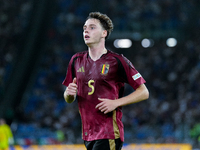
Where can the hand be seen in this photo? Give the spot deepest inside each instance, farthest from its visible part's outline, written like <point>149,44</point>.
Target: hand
<point>106,105</point>
<point>72,88</point>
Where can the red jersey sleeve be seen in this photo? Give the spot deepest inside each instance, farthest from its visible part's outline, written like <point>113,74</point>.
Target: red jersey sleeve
<point>70,72</point>
<point>129,74</point>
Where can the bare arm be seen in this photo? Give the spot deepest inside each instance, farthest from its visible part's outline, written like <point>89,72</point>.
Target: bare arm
<point>140,94</point>
<point>107,105</point>
<point>70,92</point>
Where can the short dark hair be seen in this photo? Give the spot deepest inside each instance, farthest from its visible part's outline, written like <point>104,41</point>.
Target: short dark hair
<point>105,21</point>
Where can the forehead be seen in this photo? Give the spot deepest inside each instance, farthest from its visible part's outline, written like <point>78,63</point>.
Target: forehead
<point>92,21</point>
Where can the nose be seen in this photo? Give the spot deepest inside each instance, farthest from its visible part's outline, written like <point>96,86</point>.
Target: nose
<point>85,31</point>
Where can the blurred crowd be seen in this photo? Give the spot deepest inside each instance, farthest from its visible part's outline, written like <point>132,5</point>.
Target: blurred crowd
<point>172,74</point>
<point>13,21</point>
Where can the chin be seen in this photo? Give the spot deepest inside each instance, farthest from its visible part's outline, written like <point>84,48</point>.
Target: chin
<point>87,43</point>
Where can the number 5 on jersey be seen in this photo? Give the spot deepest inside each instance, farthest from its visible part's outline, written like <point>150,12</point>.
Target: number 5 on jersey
<point>91,86</point>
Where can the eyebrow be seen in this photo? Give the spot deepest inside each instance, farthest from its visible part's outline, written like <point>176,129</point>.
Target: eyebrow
<point>89,25</point>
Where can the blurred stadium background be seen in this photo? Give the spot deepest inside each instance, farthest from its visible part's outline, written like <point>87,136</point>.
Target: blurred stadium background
<point>38,37</point>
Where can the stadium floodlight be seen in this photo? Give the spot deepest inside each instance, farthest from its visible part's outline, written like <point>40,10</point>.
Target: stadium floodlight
<point>171,42</point>
<point>122,43</point>
<point>147,43</point>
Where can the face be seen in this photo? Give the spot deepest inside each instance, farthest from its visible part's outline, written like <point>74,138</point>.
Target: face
<point>93,32</point>
<point>2,121</point>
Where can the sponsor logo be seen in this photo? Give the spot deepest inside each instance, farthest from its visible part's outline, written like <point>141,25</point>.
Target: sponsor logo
<point>81,69</point>
<point>136,76</point>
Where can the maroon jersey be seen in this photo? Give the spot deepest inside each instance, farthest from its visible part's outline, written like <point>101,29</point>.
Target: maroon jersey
<point>103,78</point>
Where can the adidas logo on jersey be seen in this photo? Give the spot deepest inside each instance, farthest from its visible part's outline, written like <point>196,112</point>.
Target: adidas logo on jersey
<point>81,69</point>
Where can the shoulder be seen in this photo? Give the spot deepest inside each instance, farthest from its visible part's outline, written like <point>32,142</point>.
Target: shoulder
<point>114,54</point>
<point>121,58</point>
<point>80,54</point>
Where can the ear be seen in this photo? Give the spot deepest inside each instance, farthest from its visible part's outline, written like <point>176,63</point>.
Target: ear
<point>104,34</point>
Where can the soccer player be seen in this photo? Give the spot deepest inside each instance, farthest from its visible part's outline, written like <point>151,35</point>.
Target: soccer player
<point>6,136</point>
<point>97,77</point>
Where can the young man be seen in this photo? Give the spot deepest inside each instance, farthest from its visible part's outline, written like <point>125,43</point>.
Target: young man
<point>97,77</point>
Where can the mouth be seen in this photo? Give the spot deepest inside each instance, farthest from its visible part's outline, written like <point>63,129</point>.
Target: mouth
<point>87,37</point>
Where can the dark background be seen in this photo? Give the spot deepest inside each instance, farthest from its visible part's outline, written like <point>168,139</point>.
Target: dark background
<point>38,38</point>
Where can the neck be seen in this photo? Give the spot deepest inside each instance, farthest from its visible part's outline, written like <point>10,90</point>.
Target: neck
<point>96,52</point>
